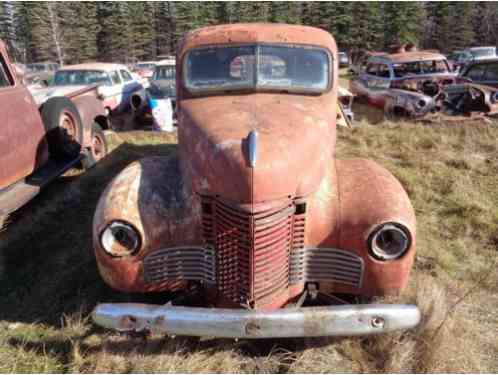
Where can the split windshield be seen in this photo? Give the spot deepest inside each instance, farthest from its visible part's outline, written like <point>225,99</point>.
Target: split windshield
<point>81,77</point>
<point>420,67</point>
<point>266,67</point>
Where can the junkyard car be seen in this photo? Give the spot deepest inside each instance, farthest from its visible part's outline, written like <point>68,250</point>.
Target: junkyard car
<point>407,83</point>
<point>116,83</point>
<point>162,88</point>
<point>343,59</point>
<point>41,140</point>
<point>458,59</point>
<point>255,216</point>
<point>145,69</point>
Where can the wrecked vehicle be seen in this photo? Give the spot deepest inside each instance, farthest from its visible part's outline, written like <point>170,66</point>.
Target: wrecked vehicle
<point>255,224</point>
<point>409,84</point>
<point>40,141</point>
<point>158,100</point>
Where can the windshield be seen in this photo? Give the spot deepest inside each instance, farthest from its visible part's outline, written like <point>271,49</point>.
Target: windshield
<point>164,72</point>
<point>267,67</point>
<point>145,66</point>
<point>484,52</point>
<point>420,67</point>
<point>81,77</point>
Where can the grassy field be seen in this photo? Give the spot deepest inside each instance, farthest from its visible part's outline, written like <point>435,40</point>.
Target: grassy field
<point>49,281</point>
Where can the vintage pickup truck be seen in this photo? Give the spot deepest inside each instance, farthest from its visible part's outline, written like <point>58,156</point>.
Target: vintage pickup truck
<point>255,224</point>
<point>40,140</point>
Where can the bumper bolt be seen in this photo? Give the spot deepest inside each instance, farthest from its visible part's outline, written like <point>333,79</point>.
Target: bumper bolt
<point>378,322</point>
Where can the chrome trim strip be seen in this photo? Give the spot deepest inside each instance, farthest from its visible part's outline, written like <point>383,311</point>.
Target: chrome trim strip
<point>252,146</point>
<point>341,320</point>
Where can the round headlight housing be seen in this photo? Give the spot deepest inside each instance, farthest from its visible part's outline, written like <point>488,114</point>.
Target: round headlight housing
<point>120,239</point>
<point>494,97</point>
<point>389,241</point>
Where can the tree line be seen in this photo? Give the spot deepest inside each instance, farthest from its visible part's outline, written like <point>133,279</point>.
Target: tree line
<point>74,32</point>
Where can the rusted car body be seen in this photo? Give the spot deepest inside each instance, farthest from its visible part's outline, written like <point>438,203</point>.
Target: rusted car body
<point>417,83</point>
<point>255,215</point>
<point>41,140</point>
<point>406,83</point>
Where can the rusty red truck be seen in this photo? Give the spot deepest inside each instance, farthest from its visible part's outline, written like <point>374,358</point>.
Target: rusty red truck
<point>255,218</point>
<point>39,140</point>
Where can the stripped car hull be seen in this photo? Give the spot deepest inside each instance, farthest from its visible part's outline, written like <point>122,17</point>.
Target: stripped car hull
<point>214,194</point>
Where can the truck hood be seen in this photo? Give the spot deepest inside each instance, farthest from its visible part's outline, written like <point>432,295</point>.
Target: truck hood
<point>295,138</point>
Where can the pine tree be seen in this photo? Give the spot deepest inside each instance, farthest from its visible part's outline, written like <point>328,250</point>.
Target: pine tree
<point>402,22</point>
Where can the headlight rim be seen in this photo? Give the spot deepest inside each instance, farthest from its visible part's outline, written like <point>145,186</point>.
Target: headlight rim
<point>382,255</point>
<point>128,226</point>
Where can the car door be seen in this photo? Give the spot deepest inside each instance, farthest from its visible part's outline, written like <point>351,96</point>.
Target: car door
<point>475,72</point>
<point>22,135</point>
<point>490,77</point>
<point>130,86</point>
<point>378,78</point>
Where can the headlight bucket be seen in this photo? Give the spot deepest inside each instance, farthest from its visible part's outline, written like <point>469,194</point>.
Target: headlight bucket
<point>389,241</point>
<point>120,239</point>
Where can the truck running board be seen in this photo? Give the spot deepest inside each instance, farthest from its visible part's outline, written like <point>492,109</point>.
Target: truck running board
<point>18,194</point>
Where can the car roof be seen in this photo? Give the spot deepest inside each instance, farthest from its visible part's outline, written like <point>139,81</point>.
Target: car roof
<point>404,57</point>
<point>256,33</point>
<point>166,62</point>
<point>107,67</point>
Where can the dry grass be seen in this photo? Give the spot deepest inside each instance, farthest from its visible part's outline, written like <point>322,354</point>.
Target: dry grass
<point>50,283</point>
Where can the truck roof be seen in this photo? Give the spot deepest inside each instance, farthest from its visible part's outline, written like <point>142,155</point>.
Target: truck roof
<point>107,67</point>
<point>257,33</point>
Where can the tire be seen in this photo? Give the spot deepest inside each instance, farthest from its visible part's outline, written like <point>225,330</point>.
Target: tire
<point>98,149</point>
<point>63,127</point>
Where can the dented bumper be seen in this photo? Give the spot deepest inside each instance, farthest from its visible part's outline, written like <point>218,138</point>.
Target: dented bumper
<point>342,320</point>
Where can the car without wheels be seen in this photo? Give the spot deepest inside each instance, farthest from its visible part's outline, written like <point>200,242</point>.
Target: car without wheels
<point>255,224</point>
<point>41,140</point>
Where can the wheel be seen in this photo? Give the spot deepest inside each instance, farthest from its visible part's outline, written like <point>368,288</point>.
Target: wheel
<point>63,127</point>
<point>98,148</point>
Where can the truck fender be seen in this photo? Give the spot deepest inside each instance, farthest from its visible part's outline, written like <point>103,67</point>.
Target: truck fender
<point>150,196</point>
<point>369,195</point>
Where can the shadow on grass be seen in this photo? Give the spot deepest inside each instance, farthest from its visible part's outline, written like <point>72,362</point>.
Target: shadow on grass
<point>47,266</point>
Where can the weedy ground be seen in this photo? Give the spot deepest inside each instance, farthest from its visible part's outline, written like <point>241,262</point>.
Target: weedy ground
<point>49,280</point>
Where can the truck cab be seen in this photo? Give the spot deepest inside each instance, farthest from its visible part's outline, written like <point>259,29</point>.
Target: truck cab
<point>40,141</point>
<point>254,216</point>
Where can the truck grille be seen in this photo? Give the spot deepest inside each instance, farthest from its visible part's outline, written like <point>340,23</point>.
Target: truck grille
<point>326,264</point>
<point>253,246</point>
<point>180,263</point>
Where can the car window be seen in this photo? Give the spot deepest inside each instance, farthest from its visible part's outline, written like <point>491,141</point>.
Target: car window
<point>81,77</point>
<point>475,72</point>
<point>126,76</point>
<point>371,69</point>
<point>116,79</point>
<point>5,77</point>
<point>383,71</point>
<point>491,73</point>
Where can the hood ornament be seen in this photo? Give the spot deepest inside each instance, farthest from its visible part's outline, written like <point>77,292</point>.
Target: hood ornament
<point>252,147</point>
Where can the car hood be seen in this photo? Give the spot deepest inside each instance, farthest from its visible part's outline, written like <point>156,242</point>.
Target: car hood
<point>294,145</point>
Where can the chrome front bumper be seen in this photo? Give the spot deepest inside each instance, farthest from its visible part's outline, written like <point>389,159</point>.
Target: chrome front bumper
<point>342,320</point>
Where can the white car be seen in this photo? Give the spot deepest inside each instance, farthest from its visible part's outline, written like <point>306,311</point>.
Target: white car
<point>117,83</point>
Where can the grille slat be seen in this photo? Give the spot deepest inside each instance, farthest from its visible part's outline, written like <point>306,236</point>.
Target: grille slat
<point>180,263</point>
<point>326,264</point>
